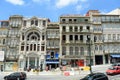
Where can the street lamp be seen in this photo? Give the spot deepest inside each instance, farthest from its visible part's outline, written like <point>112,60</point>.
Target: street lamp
<point>89,43</point>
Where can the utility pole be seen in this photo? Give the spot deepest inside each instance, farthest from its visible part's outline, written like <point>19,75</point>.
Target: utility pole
<point>90,56</point>
<point>89,47</point>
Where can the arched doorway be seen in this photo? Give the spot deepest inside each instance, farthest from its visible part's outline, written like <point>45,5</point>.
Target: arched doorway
<point>32,61</point>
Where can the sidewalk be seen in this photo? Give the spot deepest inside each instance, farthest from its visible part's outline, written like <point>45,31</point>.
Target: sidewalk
<point>96,68</point>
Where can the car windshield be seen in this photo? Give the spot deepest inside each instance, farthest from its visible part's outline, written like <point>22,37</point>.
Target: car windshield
<point>14,73</point>
<point>88,76</point>
<point>116,64</point>
<point>112,68</point>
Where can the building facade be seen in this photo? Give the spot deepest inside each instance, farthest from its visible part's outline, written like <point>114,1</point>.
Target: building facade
<point>76,40</point>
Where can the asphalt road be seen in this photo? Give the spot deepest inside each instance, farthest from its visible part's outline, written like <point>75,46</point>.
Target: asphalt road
<point>59,77</point>
<point>43,76</point>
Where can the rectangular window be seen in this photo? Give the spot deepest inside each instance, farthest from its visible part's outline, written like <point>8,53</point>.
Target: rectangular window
<point>22,48</point>
<point>70,20</point>
<point>27,48</point>
<point>75,20</point>
<point>64,28</point>
<point>24,23</point>
<point>76,37</point>
<point>114,36</point>
<point>71,50</point>
<point>81,37</point>
<point>76,29</point>
<point>76,50</point>
<point>34,47</point>
<point>70,28</point>
<point>88,28</point>
<point>81,28</point>
<point>42,48</point>
<point>44,23</point>
<point>71,37</point>
<point>81,51</point>
<point>22,37</point>
<point>109,36</point>
<point>63,50</point>
<point>118,36</point>
<point>64,37</point>
<point>3,41</point>
<point>36,22</point>
<point>31,45</point>
<point>63,20</point>
<point>43,37</point>
<point>38,47</point>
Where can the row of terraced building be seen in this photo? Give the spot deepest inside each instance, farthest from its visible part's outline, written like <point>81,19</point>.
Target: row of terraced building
<point>75,40</point>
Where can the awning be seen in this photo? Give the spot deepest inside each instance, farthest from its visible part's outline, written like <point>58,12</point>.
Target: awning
<point>56,55</point>
<point>48,56</point>
<point>52,62</point>
<point>115,55</point>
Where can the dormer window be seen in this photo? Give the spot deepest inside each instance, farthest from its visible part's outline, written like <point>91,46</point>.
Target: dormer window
<point>63,20</point>
<point>36,22</point>
<point>88,28</point>
<point>70,20</point>
<point>44,22</point>
<point>32,22</point>
<point>86,20</point>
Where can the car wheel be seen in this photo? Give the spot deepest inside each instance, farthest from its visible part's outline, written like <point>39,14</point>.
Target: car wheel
<point>18,78</point>
<point>5,79</point>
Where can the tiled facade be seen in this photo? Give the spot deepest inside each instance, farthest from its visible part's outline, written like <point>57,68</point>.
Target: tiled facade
<point>75,40</point>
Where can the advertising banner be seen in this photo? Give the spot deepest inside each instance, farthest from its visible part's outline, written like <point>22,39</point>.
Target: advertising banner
<point>1,55</point>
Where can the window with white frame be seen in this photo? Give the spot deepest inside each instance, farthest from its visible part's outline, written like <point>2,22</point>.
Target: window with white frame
<point>96,47</point>
<point>76,50</point>
<point>63,50</point>
<point>81,50</point>
<point>100,47</point>
<point>118,36</point>
<point>109,36</point>
<point>114,36</point>
<point>71,50</point>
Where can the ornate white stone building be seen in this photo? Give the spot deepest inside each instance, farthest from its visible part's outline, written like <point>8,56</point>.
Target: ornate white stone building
<point>75,40</point>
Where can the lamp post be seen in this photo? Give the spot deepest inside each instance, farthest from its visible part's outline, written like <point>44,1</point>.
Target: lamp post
<point>89,43</point>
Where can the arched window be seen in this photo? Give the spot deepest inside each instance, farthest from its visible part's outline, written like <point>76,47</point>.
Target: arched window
<point>100,47</point>
<point>33,36</point>
<point>96,47</point>
<point>31,47</point>
<point>34,47</point>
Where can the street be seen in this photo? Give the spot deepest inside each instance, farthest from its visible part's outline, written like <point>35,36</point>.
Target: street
<point>59,76</point>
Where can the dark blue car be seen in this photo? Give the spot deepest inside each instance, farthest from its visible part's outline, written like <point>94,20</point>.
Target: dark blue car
<point>16,76</point>
<point>95,76</point>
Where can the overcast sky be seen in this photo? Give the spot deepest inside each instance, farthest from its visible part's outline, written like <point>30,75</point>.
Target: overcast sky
<point>52,9</point>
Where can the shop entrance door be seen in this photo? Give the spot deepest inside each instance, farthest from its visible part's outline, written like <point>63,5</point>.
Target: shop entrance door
<point>32,62</point>
<point>1,68</point>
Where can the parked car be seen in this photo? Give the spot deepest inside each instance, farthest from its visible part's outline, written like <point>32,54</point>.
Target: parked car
<point>95,76</point>
<point>113,71</point>
<point>16,76</point>
<point>116,65</point>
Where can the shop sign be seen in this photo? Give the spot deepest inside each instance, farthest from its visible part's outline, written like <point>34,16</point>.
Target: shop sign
<point>1,55</point>
<point>72,56</point>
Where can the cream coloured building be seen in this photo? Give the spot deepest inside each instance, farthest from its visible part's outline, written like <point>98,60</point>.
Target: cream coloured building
<point>75,40</point>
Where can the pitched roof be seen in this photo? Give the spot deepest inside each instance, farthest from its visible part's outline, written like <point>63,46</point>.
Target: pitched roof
<point>115,12</point>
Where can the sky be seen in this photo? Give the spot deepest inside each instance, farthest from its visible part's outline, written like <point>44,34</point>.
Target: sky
<point>53,9</point>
